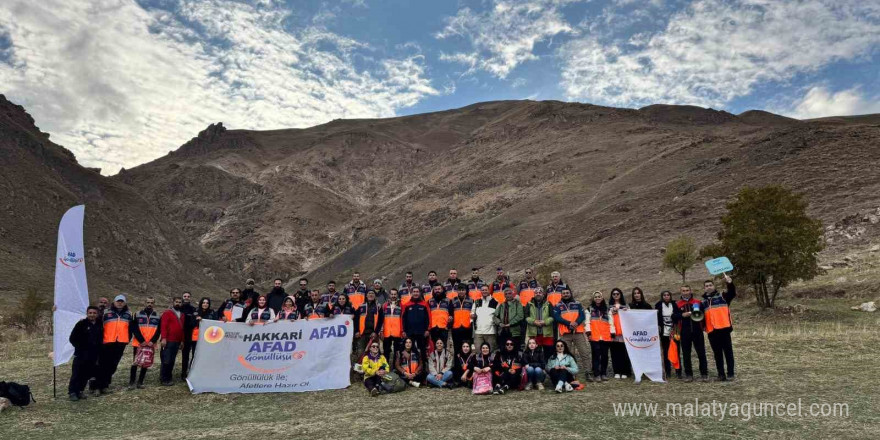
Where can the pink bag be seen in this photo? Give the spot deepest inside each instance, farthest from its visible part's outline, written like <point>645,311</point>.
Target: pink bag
<point>482,383</point>
<point>144,357</point>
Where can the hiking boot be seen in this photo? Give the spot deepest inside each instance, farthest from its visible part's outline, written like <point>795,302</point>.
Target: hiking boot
<point>374,392</point>
<point>73,397</point>
<point>689,378</point>
<point>540,387</point>
<point>528,387</point>
<point>568,387</point>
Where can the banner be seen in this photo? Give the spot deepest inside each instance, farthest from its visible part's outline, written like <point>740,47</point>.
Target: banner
<point>641,336</point>
<point>285,356</point>
<point>71,290</point>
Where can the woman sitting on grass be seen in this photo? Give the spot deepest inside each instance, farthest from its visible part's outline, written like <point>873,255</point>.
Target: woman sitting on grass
<point>507,368</point>
<point>480,368</point>
<point>460,372</point>
<point>440,366</point>
<point>375,367</point>
<point>533,359</point>
<point>562,367</point>
<point>407,363</point>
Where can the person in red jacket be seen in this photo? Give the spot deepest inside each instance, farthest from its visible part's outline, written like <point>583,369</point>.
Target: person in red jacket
<point>171,330</point>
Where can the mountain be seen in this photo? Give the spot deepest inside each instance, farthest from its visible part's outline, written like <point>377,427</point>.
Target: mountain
<point>597,190</point>
<point>130,246</point>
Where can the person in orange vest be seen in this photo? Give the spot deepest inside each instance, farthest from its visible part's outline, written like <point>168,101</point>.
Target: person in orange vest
<point>410,363</point>
<point>313,309</point>
<point>146,333</point>
<point>392,326</point>
<point>451,285</point>
<point>600,336</point>
<point>368,321</point>
<point>502,281</point>
<point>555,288</point>
<point>475,284</point>
<point>118,326</point>
<point>356,290</point>
<point>440,316</point>
<point>232,306</point>
<point>619,357</point>
<point>461,308</point>
<point>570,317</point>
<point>719,325</point>
<point>527,287</point>
<point>406,288</point>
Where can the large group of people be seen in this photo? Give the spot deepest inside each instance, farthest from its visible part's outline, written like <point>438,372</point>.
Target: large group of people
<point>445,334</point>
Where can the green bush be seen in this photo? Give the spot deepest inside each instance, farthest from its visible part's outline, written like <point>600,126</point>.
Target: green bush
<point>29,311</point>
<point>681,255</point>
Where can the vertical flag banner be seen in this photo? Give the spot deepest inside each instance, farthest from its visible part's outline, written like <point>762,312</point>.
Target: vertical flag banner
<point>71,290</point>
<point>641,335</point>
<point>284,356</point>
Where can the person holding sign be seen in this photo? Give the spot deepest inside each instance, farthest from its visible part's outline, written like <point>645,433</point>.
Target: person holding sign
<point>233,308</point>
<point>719,326</point>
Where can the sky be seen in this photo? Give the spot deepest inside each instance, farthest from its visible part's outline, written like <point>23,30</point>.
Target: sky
<point>123,82</point>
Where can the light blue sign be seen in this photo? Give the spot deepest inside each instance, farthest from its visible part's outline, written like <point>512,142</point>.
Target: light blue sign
<point>719,265</point>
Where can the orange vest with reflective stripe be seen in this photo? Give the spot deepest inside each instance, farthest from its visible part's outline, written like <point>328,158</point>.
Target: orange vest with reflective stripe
<point>439,313</point>
<point>600,326</point>
<point>356,299</point>
<point>147,324</point>
<point>392,327</point>
<point>554,292</point>
<point>717,314</point>
<point>461,313</point>
<point>116,326</point>
<point>618,329</point>
<point>412,366</point>
<point>527,291</point>
<point>451,295</point>
<point>474,289</point>
<point>569,312</point>
<point>362,317</point>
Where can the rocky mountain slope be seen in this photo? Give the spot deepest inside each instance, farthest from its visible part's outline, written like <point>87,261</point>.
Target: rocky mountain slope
<point>131,247</point>
<point>514,184</point>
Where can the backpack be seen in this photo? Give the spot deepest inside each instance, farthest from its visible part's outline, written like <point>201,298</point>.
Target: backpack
<point>393,383</point>
<point>18,395</point>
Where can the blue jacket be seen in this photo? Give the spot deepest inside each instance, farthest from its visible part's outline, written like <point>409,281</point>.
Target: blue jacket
<point>416,318</point>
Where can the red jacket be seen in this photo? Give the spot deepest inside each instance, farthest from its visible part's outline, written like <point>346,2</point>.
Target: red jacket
<point>171,326</point>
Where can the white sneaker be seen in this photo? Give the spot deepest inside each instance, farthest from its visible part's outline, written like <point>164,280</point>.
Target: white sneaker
<point>559,387</point>
<point>528,386</point>
<point>414,383</point>
<point>617,376</point>
<point>540,387</point>
<point>568,387</point>
<point>623,376</point>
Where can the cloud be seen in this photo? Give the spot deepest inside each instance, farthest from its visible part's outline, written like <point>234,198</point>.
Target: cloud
<point>819,102</point>
<point>505,35</point>
<point>718,50</point>
<point>120,84</point>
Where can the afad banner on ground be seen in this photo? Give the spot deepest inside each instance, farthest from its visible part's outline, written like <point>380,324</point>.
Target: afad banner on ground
<point>278,357</point>
<point>641,336</point>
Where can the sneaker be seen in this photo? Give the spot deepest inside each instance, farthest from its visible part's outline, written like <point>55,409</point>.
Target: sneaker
<point>374,392</point>
<point>73,397</point>
<point>140,386</point>
<point>496,392</point>
<point>689,378</point>
<point>704,378</point>
<point>617,376</point>
<point>130,387</point>
<point>504,389</point>
<point>605,378</point>
<point>722,378</point>
<point>623,376</point>
<point>596,379</point>
<point>95,392</point>
<point>167,383</point>
<point>559,387</point>
<point>540,387</point>
<point>568,387</point>
<point>731,377</point>
<point>414,383</point>
<point>528,387</point>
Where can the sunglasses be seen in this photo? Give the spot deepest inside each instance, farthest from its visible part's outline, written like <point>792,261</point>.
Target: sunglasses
<point>509,344</point>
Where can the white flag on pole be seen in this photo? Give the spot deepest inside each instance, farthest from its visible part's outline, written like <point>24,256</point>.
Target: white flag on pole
<point>641,336</point>
<point>71,290</point>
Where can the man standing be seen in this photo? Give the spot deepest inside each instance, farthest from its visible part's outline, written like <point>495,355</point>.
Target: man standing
<point>275,297</point>
<point>474,285</point>
<point>527,287</point>
<point>555,288</point>
<point>356,290</point>
<point>719,325</point>
<point>502,281</point>
<point>146,334</point>
<point>171,330</point>
<point>313,308</point>
<point>690,334</point>
<point>103,304</point>
<point>118,322</point>
<point>406,288</point>
<point>381,294</point>
<point>508,319</point>
<point>539,320</point>
<point>329,297</point>
<point>484,318</point>
<point>368,320</point>
<point>570,316</point>
<point>249,295</point>
<point>189,323</point>
<point>416,318</point>
<point>301,296</point>
<point>391,326</point>
<point>451,284</point>
<point>86,339</point>
<point>432,282</point>
<point>461,309</point>
<point>231,308</point>
<point>440,319</point>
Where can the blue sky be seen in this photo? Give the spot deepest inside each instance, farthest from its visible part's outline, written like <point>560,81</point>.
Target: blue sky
<point>122,82</point>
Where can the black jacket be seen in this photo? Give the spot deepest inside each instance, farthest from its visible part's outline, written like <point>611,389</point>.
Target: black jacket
<point>301,298</point>
<point>416,318</point>
<point>87,338</point>
<point>534,358</point>
<point>275,298</point>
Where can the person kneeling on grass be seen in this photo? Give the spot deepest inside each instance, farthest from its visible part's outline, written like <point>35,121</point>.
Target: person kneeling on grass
<point>562,367</point>
<point>461,375</point>
<point>440,366</point>
<point>507,368</point>
<point>407,363</point>
<point>375,367</point>
<point>533,359</point>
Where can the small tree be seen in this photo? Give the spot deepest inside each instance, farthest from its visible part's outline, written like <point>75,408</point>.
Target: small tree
<point>30,309</point>
<point>771,241</point>
<point>681,255</point>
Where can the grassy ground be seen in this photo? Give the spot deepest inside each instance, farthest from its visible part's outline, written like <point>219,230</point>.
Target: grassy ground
<point>820,353</point>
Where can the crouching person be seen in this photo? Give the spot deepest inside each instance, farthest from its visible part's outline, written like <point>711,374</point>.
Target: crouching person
<point>375,368</point>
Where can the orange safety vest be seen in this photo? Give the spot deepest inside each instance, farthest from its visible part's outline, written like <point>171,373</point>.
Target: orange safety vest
<point>717,314</point>
<point>461,314</point>
<point>362,320</point>
<point>525,296</point>
<point>116,326</point>
<point>147,324</point>
<point>600,328</point>
<point>412,367</point>
<point>618,328</point>
<point>474,290</point>
<point>499,296</point>
<point>356,299</point>
<point>439,314</point>
<point>570,315</point>
<point>451,295</point>
<point>392,327</point>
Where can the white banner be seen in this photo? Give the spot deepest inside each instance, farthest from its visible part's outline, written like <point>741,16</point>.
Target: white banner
<point>642,338</point>
<point>285,356</point>
<point>71,290</point>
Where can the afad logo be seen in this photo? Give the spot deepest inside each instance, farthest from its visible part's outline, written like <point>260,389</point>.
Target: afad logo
<point>214,334</point>
<point>71,260</point>
<point>640,339</point>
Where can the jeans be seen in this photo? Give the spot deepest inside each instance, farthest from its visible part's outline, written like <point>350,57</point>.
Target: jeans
<point>447,376</point>
<point>168,357</point>
<point>536,374</point>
